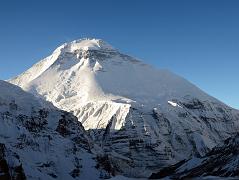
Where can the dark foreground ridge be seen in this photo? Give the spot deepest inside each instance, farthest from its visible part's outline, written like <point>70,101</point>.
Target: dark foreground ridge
<point>222,161</point>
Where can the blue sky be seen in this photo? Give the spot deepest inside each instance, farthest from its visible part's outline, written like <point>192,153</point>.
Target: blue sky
<point>197,39</point>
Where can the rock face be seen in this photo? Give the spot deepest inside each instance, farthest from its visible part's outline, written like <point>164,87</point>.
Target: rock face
<point>143,118</point>
<point>41,143</point>
<point>10,171</point>
<point>222,161</point>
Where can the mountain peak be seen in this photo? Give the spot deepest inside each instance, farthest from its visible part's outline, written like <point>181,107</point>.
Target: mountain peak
<point>129,107</point>
<point>86,44</point>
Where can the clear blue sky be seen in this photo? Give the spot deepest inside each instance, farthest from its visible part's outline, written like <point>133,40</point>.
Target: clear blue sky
<point>197,39</point>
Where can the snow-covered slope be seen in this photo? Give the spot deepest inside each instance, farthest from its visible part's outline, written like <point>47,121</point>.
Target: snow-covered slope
<point>222,161</point>
<point>40,143</point>
<point>144,118</point>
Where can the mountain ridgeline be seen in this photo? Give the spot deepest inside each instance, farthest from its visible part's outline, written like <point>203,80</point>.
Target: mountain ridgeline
<point>136,119</point>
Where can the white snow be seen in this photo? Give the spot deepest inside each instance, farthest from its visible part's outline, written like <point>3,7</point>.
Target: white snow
<point>173,104</point>
<point>8,94</point>
<point>102,87</point>
<point>73,82</point>
<point>85,44</point>
<point>39,148</point>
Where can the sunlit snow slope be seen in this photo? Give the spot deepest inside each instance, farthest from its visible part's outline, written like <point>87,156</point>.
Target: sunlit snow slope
<point>41,143</point>
<point>147,117</point>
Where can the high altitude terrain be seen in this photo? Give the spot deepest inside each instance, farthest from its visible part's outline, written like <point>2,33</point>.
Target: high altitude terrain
<point>223,161</point>
<point>141,117</point>
<point>38,141</point>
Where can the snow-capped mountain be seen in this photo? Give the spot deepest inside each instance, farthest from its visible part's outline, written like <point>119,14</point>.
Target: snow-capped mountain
<point>221,161</point>
<point>41,143</point>
<point>144,118</point>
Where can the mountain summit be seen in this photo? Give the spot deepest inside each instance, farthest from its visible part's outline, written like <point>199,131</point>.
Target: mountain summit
<point>144,118</point>
<point>91,71</point>
<point>86,44</point>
